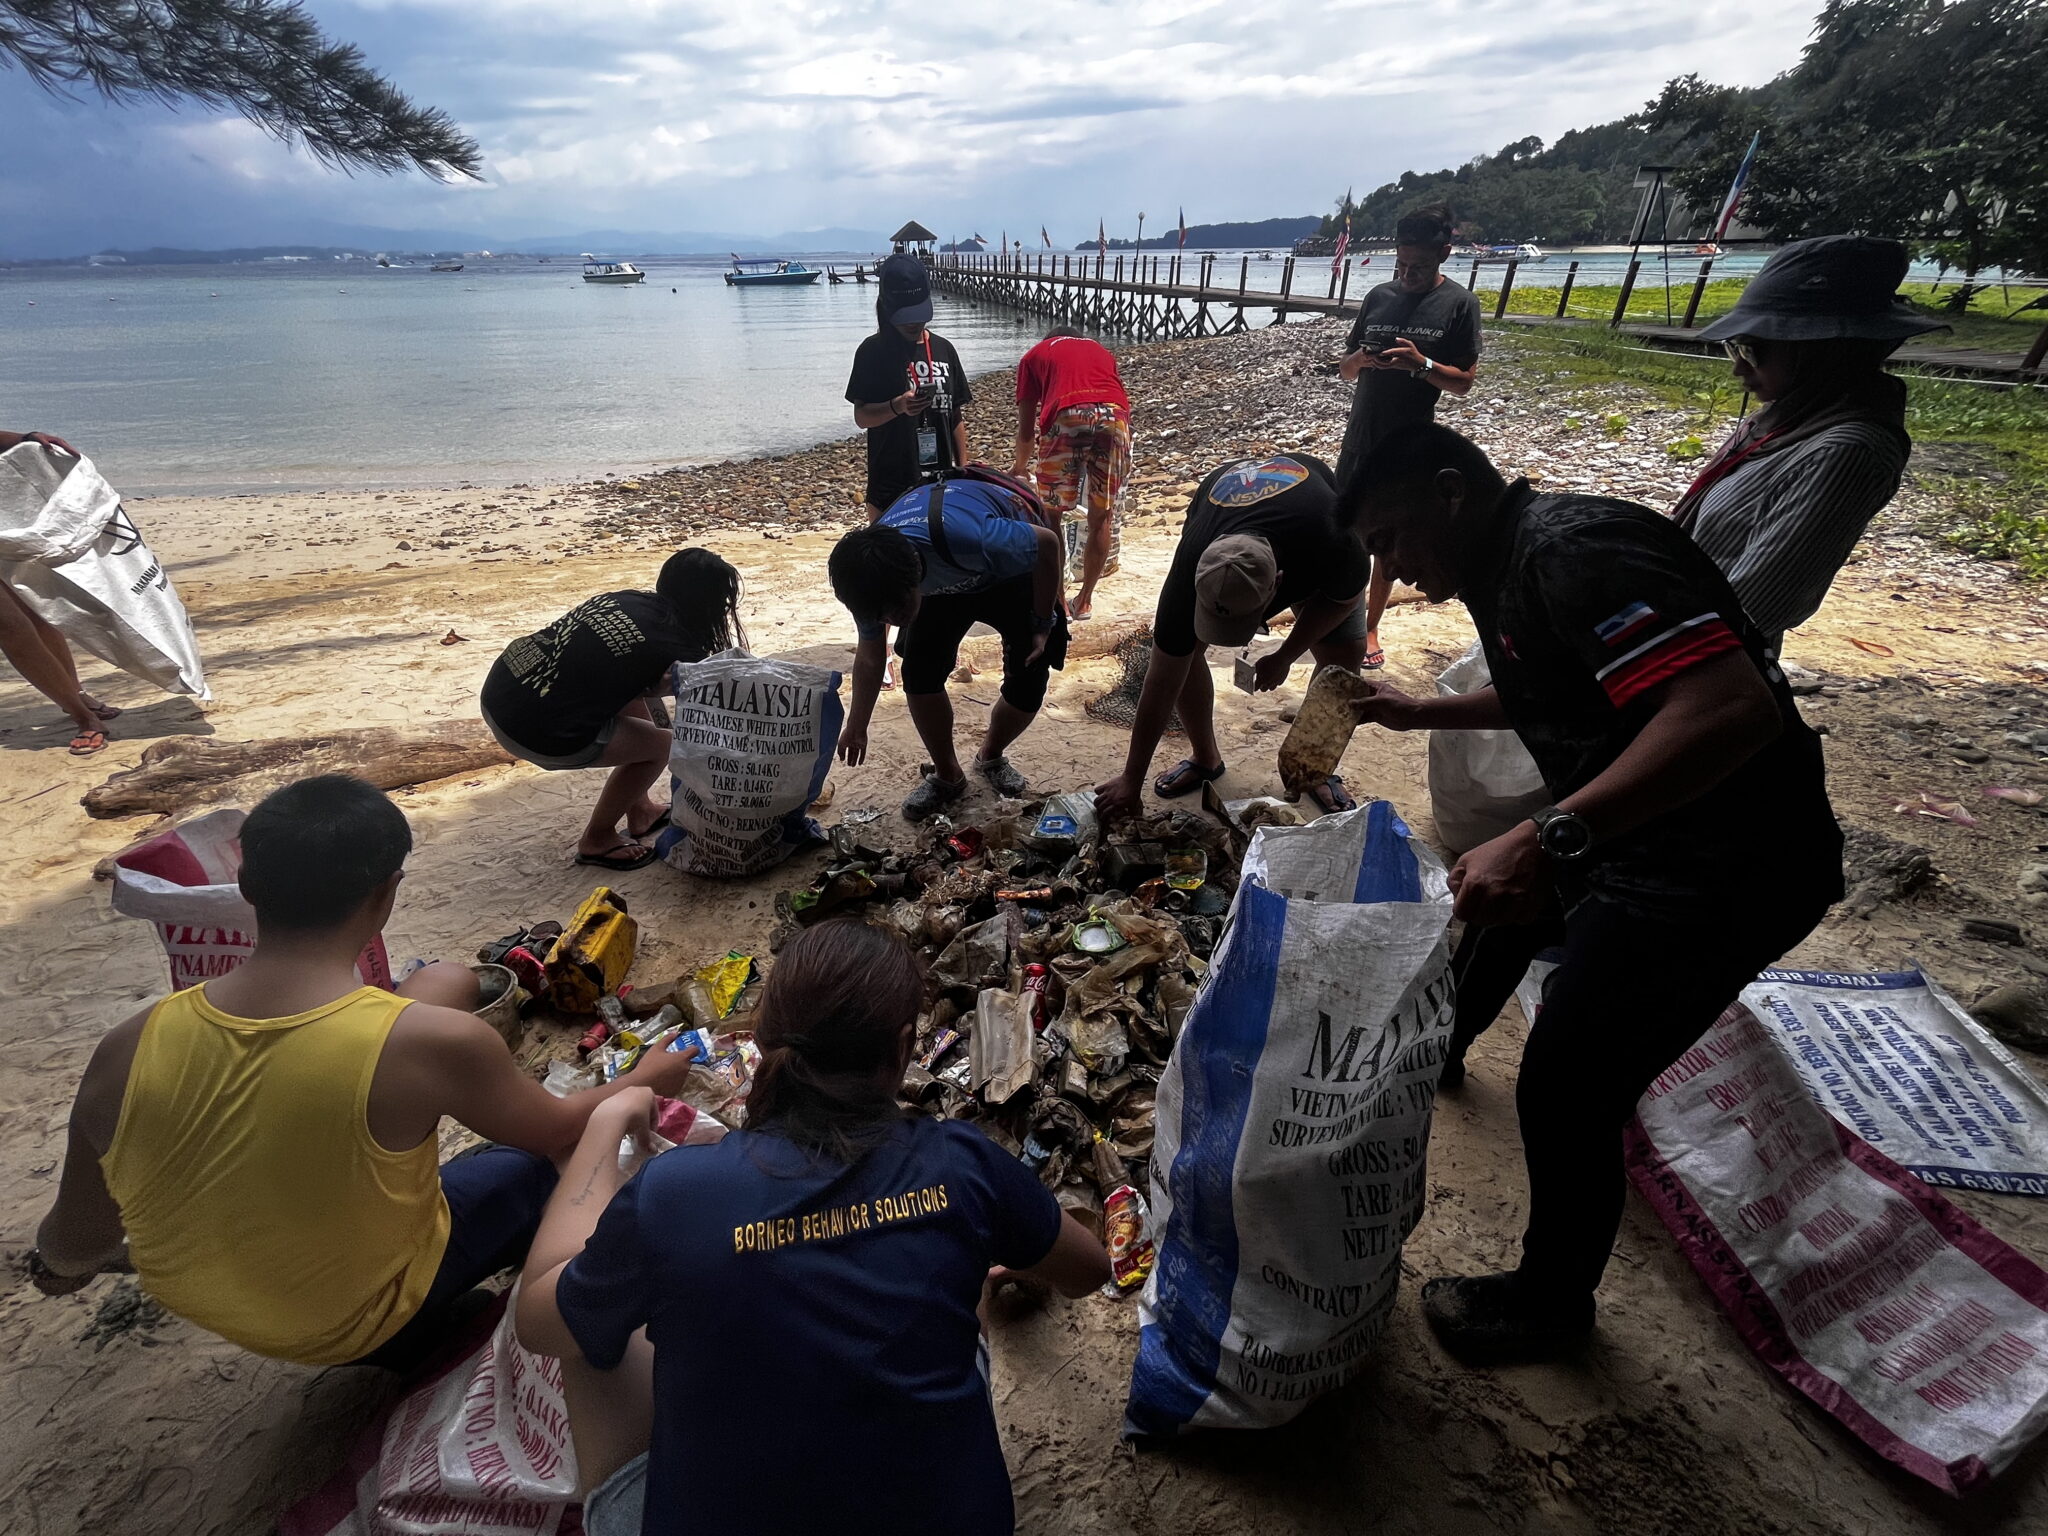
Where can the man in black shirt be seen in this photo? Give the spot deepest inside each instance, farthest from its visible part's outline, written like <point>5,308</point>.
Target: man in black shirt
<point>1414,339</point>
<point>1690,845</point>
<point>1260,536</point>
<point>908,389</point>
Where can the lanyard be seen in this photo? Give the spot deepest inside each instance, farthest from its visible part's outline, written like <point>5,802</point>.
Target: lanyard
<point>1720,469</point>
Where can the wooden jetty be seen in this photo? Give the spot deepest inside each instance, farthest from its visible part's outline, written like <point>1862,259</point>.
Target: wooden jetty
<point>1167,296</point>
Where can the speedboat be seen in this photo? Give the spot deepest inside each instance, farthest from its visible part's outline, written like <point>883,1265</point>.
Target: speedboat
<point>1505,252</point>
<point>595,271</point>
<point>1708,248</point>
<point>770,272</point>
<point>446,266</point>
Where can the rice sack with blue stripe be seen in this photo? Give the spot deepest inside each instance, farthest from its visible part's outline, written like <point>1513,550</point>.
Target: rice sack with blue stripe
<point>1290,1160</point>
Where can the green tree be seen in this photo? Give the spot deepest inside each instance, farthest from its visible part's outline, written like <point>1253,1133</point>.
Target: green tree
<point>1922,119</point>
<point>266,59</point>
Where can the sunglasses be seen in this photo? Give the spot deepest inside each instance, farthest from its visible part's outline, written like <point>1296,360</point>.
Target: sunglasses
<point>1742,351</point>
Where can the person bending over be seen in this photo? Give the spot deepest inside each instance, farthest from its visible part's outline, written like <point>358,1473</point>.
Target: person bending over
<point>1074,435</point>
<point>982,560</point>
<point>573,695</point>
<point>1670,743</point>
<point>1415,340</point>
<point>38,650</point>
<point>265,1141</point>
<point>1784,500</point>
<point>815,1276</point>
<point>1261,535</point>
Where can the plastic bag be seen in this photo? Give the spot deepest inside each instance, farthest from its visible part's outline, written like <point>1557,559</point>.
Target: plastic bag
<point>1481,783</point>
<point>481,1448</point>
<point>183,881</point>
<point>1924,1334</point>
<point>1292,1127</point>
<point>753,740</point>
<point>72,554</point>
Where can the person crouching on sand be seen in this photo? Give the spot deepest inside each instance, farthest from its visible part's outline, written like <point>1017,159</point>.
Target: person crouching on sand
<point>573,695</point>
<point>817,1277</point>
<point>265,1142</point>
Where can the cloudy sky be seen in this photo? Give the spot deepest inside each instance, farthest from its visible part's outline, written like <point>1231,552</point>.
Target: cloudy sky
<point>759,116</point>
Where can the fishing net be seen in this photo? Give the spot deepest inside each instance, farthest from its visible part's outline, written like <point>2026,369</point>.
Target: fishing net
<point>1119,705</point>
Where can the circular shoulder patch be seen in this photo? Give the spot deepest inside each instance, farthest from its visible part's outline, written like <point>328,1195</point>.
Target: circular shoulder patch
<point>1254,480</point>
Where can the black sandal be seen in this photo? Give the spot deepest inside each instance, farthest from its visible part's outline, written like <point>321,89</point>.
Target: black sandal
<point>1331,797</point>
<point>1184,778</point>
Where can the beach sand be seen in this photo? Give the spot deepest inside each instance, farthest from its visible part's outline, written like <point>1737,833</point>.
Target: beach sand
<point>317,611</point>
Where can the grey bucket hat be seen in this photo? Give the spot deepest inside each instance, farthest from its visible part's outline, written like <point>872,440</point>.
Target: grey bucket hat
<point>1831,288</point>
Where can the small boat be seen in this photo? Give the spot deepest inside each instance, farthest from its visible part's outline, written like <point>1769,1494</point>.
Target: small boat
<point>1525,252</point>
<point>595,271</point>
<point>770,272</point>
<point>446,266</point>
<point>1708,248</point>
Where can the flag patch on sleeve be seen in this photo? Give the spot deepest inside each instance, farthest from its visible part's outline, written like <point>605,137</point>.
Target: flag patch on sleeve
<point>1657,652</point>
<point>1630,621</point>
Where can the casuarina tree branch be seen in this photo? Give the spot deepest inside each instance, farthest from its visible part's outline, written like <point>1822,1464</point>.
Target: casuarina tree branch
<point>265,59</point>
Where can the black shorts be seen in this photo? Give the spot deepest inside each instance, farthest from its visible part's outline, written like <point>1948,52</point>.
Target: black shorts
<point>930,643</point>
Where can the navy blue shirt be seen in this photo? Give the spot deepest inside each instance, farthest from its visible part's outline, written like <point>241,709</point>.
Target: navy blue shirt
<point>820,1319</point>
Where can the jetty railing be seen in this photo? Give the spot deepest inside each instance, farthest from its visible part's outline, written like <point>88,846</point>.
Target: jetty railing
<point>1154,296</point>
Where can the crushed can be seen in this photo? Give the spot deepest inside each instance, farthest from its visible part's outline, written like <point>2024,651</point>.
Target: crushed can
<point>590,959</point>
<point>1037,979</point>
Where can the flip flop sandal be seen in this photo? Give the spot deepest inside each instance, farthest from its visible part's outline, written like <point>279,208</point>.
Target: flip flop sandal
<point>1331,796</point>
<point>617,859</point>
<point>104,711</point>
<point>1374,660</point>
<point>638,833</point>
<point>1184,778</point>
<point>85,743</point>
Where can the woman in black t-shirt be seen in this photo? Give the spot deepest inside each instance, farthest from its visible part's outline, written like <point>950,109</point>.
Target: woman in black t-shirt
<point>572,695</point>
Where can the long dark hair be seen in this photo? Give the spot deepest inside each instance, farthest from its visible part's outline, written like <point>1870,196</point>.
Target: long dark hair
<point>705,593</point>
<point>830,1027</point>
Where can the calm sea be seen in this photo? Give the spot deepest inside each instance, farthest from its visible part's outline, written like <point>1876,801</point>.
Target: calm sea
<point>319,374</point>
<point>322,374</point>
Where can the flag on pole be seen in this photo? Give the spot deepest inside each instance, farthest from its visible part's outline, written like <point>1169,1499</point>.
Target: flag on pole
<point>1101,239</point>
<point>1183,229</point>
<point>1045,237</point>
<point>1735,187</point>
<point>1343,244</point>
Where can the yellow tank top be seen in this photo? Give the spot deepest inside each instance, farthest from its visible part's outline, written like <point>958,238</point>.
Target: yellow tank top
<point>257,1203</point>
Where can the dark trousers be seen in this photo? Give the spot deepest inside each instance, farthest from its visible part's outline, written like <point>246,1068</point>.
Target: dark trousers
<point>1632,995</point>
<point>495,1198</point>
<point>930,643</point>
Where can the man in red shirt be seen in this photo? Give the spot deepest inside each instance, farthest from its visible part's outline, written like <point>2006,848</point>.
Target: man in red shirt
<point>1074,421</point>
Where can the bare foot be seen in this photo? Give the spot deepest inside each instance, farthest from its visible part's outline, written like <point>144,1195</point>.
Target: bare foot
<point>648,818</point>
<point>1081,609</point>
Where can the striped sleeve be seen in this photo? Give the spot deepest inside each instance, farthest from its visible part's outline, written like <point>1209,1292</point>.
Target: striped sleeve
<point>1637,605</point>
<point>1796,520</point>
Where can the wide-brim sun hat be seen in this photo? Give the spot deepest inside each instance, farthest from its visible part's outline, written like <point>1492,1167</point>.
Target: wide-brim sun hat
<point>1832,288</point>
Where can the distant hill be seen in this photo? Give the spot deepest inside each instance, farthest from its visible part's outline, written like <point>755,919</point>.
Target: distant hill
<point>1222,237</point>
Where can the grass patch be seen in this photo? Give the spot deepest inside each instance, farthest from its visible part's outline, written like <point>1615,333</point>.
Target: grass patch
<point>1998,319</point>
<point>1998,510</point>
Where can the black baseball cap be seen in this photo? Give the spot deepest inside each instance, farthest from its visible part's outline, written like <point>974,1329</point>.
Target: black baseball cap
<point>906,291</point>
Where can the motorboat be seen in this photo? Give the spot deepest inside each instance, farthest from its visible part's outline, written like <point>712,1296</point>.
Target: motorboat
<point>1524,252</point>
<point>595,271</point>
<point>1708,248</point>
<point>770,272</point>
<point>446,266</point>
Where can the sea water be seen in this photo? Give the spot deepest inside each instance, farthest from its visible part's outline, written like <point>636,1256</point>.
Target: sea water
<point>323,373</point>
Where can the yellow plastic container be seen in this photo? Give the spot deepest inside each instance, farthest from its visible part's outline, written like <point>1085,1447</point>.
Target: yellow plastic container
<point>593,954</point>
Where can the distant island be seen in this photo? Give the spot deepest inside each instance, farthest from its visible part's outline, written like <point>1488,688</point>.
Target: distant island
<point>1221,237</point>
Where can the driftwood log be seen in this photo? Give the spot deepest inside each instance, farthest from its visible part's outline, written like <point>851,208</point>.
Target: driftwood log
<point>188,772</point>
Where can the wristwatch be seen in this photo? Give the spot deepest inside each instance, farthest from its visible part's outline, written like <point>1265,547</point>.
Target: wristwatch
<point>1565,837</point>
<point>1428,366</point>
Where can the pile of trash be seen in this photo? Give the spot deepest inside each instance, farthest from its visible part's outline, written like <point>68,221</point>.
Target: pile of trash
<point>1061,962</point>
